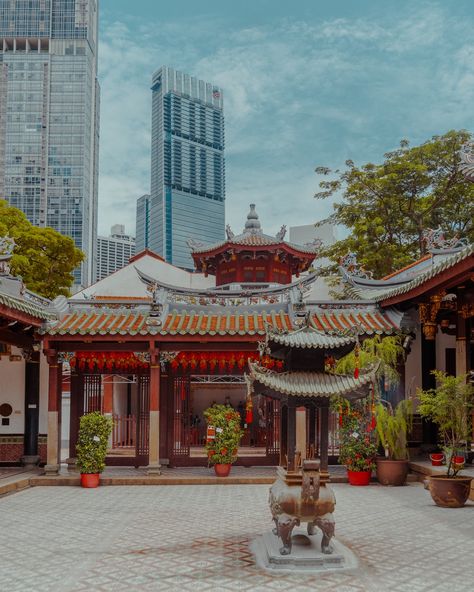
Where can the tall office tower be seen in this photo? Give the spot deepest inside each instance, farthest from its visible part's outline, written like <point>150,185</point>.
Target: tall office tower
<point>187,165</point>
<point>114,251</point>
<point>49,117</point>
<point>143,223</point>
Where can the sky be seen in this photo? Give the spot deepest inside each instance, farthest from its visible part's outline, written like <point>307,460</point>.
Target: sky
<point>306,83</point>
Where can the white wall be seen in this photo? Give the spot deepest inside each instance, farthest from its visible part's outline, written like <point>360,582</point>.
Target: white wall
<point>443,341</point>
<point>43,404</point>
<point>12,391</point>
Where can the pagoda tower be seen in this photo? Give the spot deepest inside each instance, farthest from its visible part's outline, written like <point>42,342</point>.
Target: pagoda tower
<point>252,256</point>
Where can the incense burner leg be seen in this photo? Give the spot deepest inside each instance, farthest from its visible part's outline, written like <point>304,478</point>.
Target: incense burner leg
<point>311,527</point>
<point>327,525</point>
<point>285,527</point>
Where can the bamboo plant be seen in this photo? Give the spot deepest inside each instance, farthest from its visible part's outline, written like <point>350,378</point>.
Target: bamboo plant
<point>392,428</point>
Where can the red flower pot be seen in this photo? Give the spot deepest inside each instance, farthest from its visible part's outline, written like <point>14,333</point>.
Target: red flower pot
<point>90,479</point>
<point>437,459</point>
<point>222,470</point>
<point>359,477</point>
<point>458,460</point>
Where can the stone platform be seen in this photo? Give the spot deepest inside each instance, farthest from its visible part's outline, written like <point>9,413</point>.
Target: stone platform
<point>305,556</point>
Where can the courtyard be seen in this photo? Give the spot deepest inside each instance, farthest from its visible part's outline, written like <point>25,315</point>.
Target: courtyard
<point>191,538</point>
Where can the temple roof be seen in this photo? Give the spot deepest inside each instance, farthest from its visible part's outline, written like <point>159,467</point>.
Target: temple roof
<point>380,290</point>
<point>310,338</point>
<point>311,384</point>
<point>252,236</point>
<point>23,304</point>
<point>97,320</point>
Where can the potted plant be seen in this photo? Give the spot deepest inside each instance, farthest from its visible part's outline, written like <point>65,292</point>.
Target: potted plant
<point>357,449</point>
<point>92,443</point>
<point>392,427</point>
<point>449,406</point>
<point>224,434</point>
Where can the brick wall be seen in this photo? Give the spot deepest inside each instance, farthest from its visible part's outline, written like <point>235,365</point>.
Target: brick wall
<point>11,448</point>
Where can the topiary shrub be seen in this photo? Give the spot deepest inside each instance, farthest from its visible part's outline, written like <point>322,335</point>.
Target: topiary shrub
<point>223,448</point>
<point>92,442</point>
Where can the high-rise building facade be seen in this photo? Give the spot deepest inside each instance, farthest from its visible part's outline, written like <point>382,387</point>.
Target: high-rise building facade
<point>142,233</point>
<point>49,117</point>
<point>114,251</point>
<point>187,165</point>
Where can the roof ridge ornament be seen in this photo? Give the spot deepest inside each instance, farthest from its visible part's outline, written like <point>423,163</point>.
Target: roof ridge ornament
<point>7,245</point>
<point>350,265</point>
<point>252,226</point>
<point>436,240</point>
<point>280,235</point>
<point>229,233</point>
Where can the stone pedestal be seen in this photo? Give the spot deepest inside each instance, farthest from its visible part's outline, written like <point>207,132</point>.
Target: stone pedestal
<point>305,556</point>
<point>30,461</point>
<point>153,469</point>
<point>51,470</point>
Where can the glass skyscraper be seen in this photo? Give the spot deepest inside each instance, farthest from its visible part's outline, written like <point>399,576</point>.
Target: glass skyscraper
<point>142,232</point>
<point>49,117</point>
<point>187,165</point>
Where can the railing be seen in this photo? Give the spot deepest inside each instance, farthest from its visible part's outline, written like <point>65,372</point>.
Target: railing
<point>124,430</point>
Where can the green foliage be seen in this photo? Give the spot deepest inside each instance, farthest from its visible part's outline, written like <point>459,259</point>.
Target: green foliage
<point>449,406</point>
<point>387,206</point>
<point>92,442</point>
<point>226,421</point>
<point>357,449</point>
<point>386,350</point>
<point>392,428</point>
<point>43,257</point>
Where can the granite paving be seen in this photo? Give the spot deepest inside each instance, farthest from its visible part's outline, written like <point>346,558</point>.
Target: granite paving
<point>192,538</point>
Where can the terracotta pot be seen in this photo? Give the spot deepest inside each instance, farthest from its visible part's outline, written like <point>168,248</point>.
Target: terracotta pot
<point>437,459</point>
<point>222,470</point>
<point>90,479</point>
<point>359,477</point>
<point>392,472</point>
<point>450,492</point>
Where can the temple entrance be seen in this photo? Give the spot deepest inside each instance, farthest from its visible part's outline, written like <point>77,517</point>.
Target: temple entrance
<point>193,394</point>
<point>125,398</point>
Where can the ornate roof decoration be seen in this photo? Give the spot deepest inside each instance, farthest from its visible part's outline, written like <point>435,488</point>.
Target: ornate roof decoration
<point>350,265</point>
<point>311,384</point>
<point>436,241</point>
<point>7,244</point>
<point>215,297</point>
<point>467,161</point>
<point>28,306</point>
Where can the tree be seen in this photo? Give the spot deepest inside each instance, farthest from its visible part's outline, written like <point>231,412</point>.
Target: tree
<point>43,257</point>
<point>386,207</point>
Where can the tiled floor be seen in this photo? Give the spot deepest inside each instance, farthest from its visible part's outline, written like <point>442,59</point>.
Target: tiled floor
<point>192,538</point>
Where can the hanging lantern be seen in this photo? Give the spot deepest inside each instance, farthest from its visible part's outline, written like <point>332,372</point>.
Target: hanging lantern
<point>213,362</point>
<point>241,361</point>
<point>222,362</point>
<point>249,411</point>
<point>193,362</point>
<point>203,362</point>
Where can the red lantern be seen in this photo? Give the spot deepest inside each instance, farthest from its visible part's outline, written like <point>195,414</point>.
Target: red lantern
<point>203,362</point>
<point>249,411</point>
<point>72,362</point>
<point>193,362</point>
<point>222,362</point>
<point>241,361</point>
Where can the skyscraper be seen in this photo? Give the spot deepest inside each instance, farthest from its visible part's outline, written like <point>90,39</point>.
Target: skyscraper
<point>142,232</point>
<point>49,117</point>
<point>114,251</point>
<point>187,165</point>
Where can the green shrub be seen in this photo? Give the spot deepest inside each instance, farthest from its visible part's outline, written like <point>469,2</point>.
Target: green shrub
<point>92,442</point>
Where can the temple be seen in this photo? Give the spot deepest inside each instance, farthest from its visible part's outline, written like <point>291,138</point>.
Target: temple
<point>153,345</point>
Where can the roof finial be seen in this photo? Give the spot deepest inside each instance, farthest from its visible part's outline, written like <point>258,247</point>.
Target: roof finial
<point>253,223</point>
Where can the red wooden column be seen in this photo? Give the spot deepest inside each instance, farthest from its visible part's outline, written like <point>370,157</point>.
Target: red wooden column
<point>154,467</point>
<point>54,413</point>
